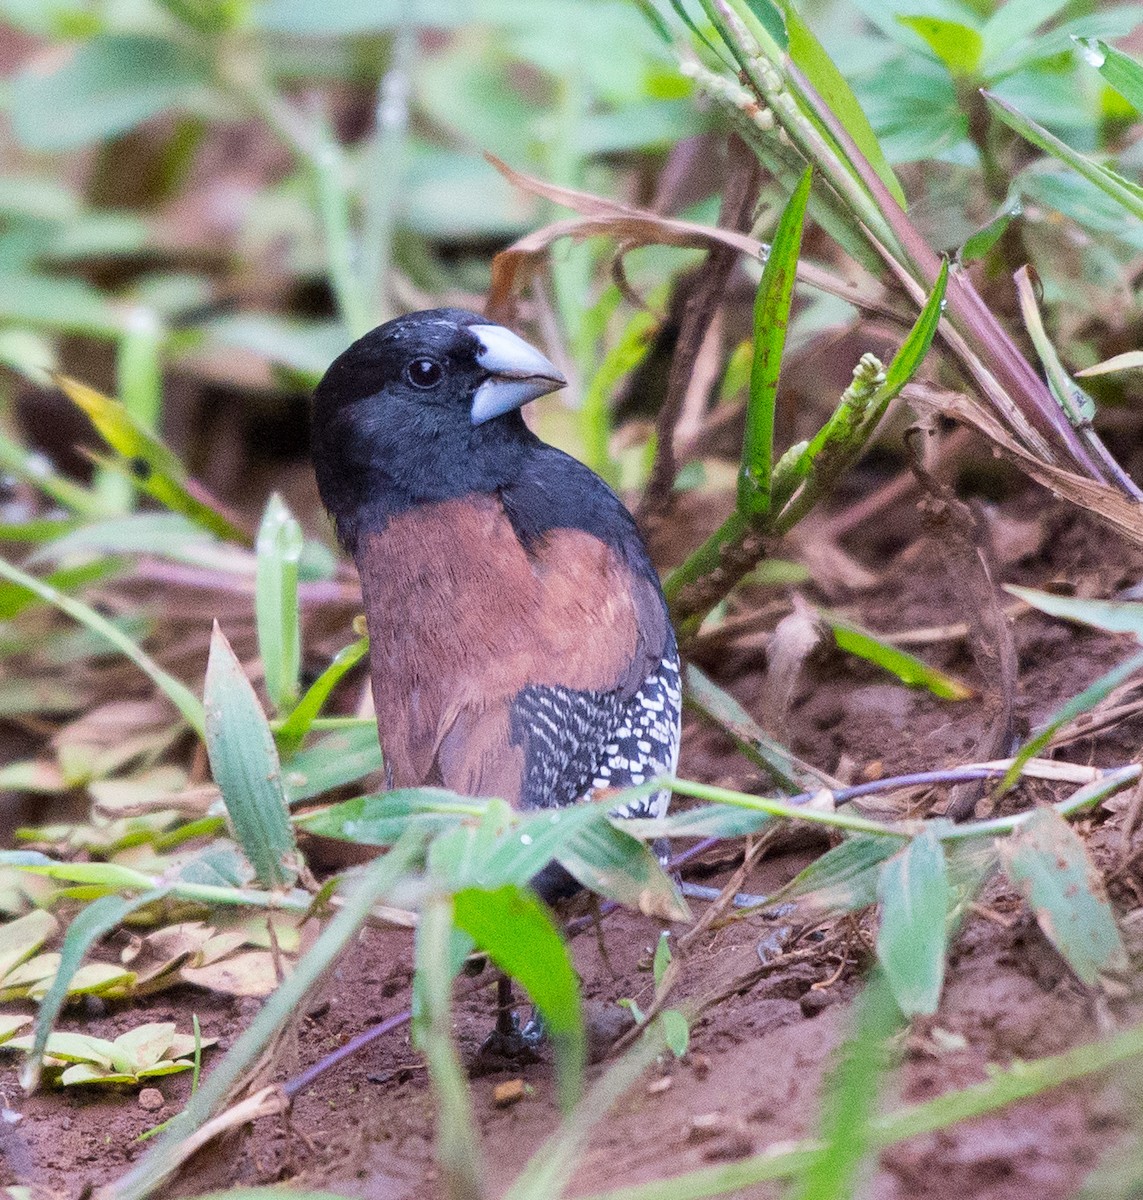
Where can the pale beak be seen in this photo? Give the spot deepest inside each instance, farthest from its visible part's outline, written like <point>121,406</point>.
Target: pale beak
<point>518,373</point>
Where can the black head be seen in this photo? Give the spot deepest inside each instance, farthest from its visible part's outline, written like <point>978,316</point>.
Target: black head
<point>425,407</point>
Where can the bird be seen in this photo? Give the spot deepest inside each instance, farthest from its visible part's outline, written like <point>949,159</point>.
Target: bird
<point>520,644</point>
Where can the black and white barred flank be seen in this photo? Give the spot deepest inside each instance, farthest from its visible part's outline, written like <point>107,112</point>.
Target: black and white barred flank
<point>578,742</point>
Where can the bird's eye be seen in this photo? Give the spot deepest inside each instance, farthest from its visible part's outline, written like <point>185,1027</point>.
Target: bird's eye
<point>424,372</point>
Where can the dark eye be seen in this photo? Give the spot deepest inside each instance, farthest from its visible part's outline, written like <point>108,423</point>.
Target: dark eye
<point>424,372</point>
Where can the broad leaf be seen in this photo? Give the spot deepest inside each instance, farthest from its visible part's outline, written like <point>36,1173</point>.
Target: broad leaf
<point>913,892</point>
<point>1046,860</point>
<point>244,762</point>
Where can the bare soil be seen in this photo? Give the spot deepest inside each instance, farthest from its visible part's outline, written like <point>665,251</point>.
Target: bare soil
<point>754,1071</point>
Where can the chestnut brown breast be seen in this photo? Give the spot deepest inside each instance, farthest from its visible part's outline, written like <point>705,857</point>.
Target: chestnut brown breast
<point>461,617</point>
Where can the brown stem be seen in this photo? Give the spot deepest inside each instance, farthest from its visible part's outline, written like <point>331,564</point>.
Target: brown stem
<point>737,211</point>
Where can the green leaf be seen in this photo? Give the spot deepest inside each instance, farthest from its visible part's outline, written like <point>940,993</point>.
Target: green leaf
<point>1123,191</point>
<point>843,879</point>
<point>907,667</point>
<point>771,319</point>
<point>379,820</point>
<point>1120,71</point>
<point>515,930</point>
<point>720,707</point>
<point>662,959</point>
<point>15,599</point>
<point>92,923</point>
<point>1114,616</point>
<point>614,864</point>
<point>676,1031</point>
<point>979,244</point>
<point>21,938</point>
<point>958,46</point>
<point>93,91</point>
<point>279,548</point>
<point>708,820</point>
<point>166,534</point>
<point>1015,22</point>
<point>295,727</point>
<point>914,896</point>
<point>165,1156</point>
<point>331,762</point>
<point>154,468</point>
<point>832,86</point>
<point>244,762</point>
<point>1047,862</point>
<point>175,691</point>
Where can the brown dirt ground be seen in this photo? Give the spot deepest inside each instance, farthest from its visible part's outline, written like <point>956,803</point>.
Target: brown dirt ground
<point>753,1074</point>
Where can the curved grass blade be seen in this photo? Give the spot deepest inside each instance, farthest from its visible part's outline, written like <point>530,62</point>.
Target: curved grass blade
<point>1045,858</point>
<point>913,890</point>
<point>771,318</point>
<point>14,599</point>
<point>279,549</point>
<point>244,762</point>
<point>516,931</point>
<point>155,469</point>
<point>176,692</point>
<point>720,707</point>
<point>295,727</point>
<point>1075,707</point>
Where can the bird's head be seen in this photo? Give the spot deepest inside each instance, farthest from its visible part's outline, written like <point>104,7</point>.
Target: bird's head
<point>423,407</point>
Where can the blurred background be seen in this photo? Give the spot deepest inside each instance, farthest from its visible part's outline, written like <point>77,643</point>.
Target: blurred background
<point>203,201</point>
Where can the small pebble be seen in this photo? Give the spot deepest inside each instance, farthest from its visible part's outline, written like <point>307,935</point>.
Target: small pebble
<point>504,1095</point>
<point>151,1099</point>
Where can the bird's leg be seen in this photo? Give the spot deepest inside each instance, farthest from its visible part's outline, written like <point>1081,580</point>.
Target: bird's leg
<point>507,1025</point>
<point>507,1040</point>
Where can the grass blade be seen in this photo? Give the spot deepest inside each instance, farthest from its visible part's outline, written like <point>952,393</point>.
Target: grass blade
<point>458,1144</point>
<point>907,667</point>
<point>1075,707</point>
<point>244,762</point>
<point>831,86</point>
<point>175,690</point>
<point>1047,861</point>
<point>549,1169</point>
<point>720,707</point>
<point>914,894</point>
<point>849,1106</point>
<point>771,318</point>
<point>376,882</point>
<point>279,548</point>
<point>151,464</point>
<point>516,931</point>
<point>1123,191</point>
<point>843,879</point>
<point>295,727</point>
<point>331,762</point>
<point>1120,71</point>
